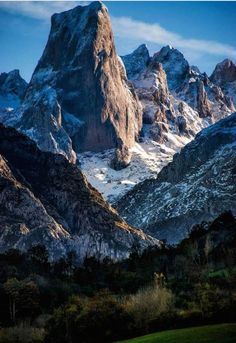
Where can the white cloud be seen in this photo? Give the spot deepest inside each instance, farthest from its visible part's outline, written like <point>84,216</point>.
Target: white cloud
<point>125,28</point>
<point>39,9</point>
<point>154,33</point>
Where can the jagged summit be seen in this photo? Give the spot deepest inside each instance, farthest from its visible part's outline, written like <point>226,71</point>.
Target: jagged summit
<point>78,98</point>
<point>175,65</point>
<point>224,71</point>
<point>137,61</point>
<point>12,89</point>
<point>224,75</point>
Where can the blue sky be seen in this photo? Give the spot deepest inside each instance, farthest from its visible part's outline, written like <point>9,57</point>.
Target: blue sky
<point>203,31</point>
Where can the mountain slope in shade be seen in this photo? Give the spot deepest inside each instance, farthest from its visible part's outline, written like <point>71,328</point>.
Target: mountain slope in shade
<point>136,62</point>
<point>224,75</point>
<point>12,91</point>
<point>46,200</point>
<point>78,98</point>
<point>198,185</point>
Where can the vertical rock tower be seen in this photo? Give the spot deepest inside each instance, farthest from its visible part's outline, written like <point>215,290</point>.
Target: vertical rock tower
<point>79,91</point>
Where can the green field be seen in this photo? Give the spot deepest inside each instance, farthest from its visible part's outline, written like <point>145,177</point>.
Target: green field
<point>223,333</point>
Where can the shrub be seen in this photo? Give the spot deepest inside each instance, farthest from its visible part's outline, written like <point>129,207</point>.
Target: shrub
<point>21,334</point>
<point>148,304</point>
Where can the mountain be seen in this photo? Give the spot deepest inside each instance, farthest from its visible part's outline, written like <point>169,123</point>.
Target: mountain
<point>12,90</point>
<point>178,101</point>
<point>46,200</point>
<point>197,186</point>
<point>169,118</point>
<point>174,64</point>
<point>136,62</point>
<point>224,75</point>
<point>79,98</point>
<point>186,83</point>
<point>193,87</point>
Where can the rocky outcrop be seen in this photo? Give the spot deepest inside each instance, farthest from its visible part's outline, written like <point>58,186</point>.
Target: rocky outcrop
<point>79,96</point>
<point>197,186</point>
<point>122,157</point>
<point>224,75</point>
<point>136,62</point>
<point>46,200</point>
<point>190,85</point>
<point>168,120</point>
<point>12,90</point>
<point>175,66</point>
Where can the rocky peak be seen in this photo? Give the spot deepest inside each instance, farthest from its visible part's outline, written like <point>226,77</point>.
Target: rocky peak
<point>81,69</point>
<point>136,62</point>
<point>13,83</point>
<point>170,121</point>
<point>175,65</point>
<point>224,71</point>
<point>12,89</point>
<point>224,76</point>
<point>189,84</point>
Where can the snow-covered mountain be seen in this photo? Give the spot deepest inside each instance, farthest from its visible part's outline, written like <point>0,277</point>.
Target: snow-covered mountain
<point>79,102</point>
<point>136,62</point>
<point>79,98</point>
<point>12,89</point>
<point>224,76</point>
<point>178,102</point>
<point>197,186</point>
<point>44,199</point>
<point>195,88</point>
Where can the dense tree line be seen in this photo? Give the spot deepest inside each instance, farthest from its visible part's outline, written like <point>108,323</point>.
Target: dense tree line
<point>103,301</point>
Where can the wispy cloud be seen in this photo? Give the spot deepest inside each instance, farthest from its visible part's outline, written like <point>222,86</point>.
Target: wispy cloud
<point>39,9</point>
<point>154,33</point>
<point>125,28</point>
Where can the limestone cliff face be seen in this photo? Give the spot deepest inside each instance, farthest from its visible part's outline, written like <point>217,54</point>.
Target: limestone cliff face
<point>224,75</point>
<point>188,84</point>
<point>44,199</point>
<point>85,80</point>
<point>168,119</point>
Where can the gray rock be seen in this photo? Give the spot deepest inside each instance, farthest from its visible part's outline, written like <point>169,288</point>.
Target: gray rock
<point>136,62</point>
<point>224,75</point>
<point>88,82</point>
<point>12,89</point>
<point>46,200</point>
<point>197,186</point>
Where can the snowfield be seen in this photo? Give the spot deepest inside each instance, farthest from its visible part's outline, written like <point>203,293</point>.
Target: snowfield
<point>148,158</point>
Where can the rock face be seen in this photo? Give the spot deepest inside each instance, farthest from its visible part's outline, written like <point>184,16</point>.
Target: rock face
<point>197,186</point>
<point>190,85</point>
<point>79,95</point>
<point>178,101</point>
<point>44,199</point>
<point>136,62</point>
<point>224,76</point>
<point>167,119</point>
<point>175,66</point>
<point>12,90</point>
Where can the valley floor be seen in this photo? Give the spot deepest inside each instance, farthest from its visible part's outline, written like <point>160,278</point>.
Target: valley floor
<point>205,334</point>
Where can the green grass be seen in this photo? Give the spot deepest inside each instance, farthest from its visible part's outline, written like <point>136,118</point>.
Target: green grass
<point>223,333</point>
